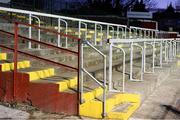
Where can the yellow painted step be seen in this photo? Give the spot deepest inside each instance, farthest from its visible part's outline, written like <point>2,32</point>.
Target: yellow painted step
<point>83,29</point>
<point>91,32</point>
<point>10,66</point>
<point>66,84</point>
<point>94,109</point>
<point>89,36</point>
<point>98,39</point>
<point>36,75</point>
<point>100,34</point>
<point>88,96</point>
<point>109,37</point>
<point>77,33</point>
<point>3,56</point>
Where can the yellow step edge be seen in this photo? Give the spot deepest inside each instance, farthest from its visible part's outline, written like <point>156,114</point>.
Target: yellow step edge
<point>35,75</point>
<point>89,36</point>
<point>88,96</point>
<point>98,39</point>
<point>3,56</point>
<point>100,34</point>
<point>87,108</point>
<point>178,63</point>
<point>77,33</point>
<point>109,37</point>
<point>91,32</point>
<point>10,66</point>
<point>22,17</point>
<point>178,56</point>
<point>66,84</point>
<point>83,29</point>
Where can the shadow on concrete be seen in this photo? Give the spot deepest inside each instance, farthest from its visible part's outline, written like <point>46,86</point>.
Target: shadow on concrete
<point>171,109</point>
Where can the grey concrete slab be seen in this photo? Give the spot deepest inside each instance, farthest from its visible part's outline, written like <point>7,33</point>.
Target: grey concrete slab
<point>9,113</point>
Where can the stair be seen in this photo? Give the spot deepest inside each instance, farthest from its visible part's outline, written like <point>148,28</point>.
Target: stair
<point>47,90</point>
<point>93,108</point>
<point>3,56</point>
<point>32,86</point>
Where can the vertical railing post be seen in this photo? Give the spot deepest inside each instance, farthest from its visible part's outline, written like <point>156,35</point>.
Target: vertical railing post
<point>104,89</point>
<point>95,34</point>
<point>79,96</point>
<point>161,53</point>
<point>131,62</point>
<point>125,32</point>
<point>81,72</point>
<point>15,58</point>
<point>117,32</point>
<point>144,57</point>
<point>59,30</point>
<point>98,25</point>
<point>110,66</point>
<point>39,30</point>
<point>107,32</point>
<point>79,29</point>
<point>30,30</point>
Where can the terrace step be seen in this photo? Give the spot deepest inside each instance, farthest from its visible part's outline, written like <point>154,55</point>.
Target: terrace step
<point>5,66</point>
<point>3,56</point>
<point>127,102</point>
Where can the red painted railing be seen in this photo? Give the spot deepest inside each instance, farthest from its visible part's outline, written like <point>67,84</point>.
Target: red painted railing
<point>16,51</point>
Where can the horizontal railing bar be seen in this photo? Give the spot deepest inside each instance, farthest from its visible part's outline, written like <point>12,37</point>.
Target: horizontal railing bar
<point>49,30</point>
<point>41,43</point>
<point>40,58</point>
<point>56,16</point>
<point>137,40</point>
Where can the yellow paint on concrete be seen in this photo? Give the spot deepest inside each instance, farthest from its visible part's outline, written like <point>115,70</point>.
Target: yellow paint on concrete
<point>178,56</point>
<point>63,85</point>
<point>3,56</point>
<point>35,75</point>
<point>91,32</point>
<point>109,37</point>
<point>66,84</point>
<point>94,109</point>
<point>100,34</point>
<point>178,63</point>
<point>10,66</point>
<point>98,39</point>
<point>89,36</point>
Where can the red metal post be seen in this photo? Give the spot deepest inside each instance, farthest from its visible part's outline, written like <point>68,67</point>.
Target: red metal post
<point>15,58</point>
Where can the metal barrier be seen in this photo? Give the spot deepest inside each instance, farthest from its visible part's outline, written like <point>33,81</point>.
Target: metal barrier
<point>110,67</point>
<point>134,42</point>
<point>103,85</point>
<point>63,19</point>
<point>16,51</point>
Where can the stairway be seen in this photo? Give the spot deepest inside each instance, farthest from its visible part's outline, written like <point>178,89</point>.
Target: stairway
<point>42,88</point>
<point>32,87</point>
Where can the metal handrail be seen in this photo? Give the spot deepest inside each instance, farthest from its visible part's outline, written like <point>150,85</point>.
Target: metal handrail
<point>131,62</point>
<point>160,58</point>
<point>39,31</point>
<point>104,76</point>
<point>145,57</point>
<point>16,52</point>
<point>100,32</point>
<point>124,65</point>
<point>59,30</point>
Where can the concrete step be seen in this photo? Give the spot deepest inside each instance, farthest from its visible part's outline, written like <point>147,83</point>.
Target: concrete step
<point>112,103</point>
<point>3,56</point>
<point>37,73</point>
<point>5,66</point>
